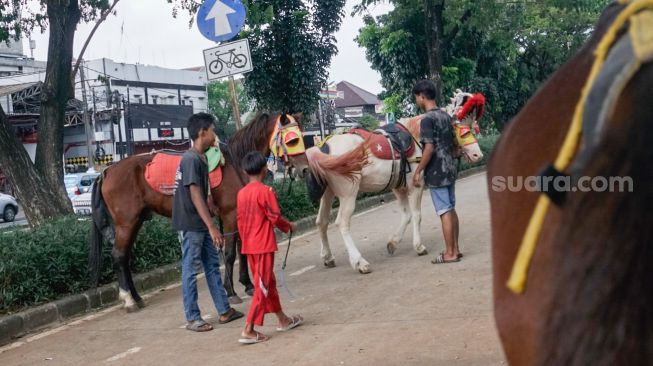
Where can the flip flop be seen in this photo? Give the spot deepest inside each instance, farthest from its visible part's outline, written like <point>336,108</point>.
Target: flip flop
<point>235,314</point>
<point>260,337</point>
<point>199,326</point>
<point>440,259</point>
<point>297,320</point>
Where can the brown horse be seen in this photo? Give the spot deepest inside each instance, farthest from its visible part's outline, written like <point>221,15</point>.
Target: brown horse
<point>589,295</point>
<point>123,200</point>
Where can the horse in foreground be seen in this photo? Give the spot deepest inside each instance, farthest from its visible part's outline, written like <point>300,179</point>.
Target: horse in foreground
<point>363,161</point>
<point>579,289</point>
<point>123,200</point>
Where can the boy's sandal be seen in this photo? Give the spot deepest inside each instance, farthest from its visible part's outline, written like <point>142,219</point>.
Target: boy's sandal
<point>296,320</point>
<point>232,315</point>
<point>199,326</point>
<point>260,337</point>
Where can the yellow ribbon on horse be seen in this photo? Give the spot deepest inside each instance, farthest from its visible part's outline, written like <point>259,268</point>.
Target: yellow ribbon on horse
<point>641,35</point>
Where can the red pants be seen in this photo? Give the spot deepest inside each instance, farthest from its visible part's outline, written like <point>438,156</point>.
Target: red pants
<point>266,297</point>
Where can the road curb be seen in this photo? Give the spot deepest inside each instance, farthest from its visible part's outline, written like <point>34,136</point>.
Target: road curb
<point>60,311</point>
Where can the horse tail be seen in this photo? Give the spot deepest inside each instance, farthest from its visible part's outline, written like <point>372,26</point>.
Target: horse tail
<point>101,222</point>
<point>348,165</point>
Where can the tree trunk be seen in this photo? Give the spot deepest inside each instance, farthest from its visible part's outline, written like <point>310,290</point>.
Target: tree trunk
<point>433,11</point>
<point>57,89</point>
<point>32,191</point>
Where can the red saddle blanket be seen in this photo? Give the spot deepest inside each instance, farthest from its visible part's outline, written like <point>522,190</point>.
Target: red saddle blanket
<point>380,145</point>
<point>160,173</point>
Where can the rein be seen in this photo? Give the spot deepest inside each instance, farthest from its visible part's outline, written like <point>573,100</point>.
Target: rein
<point>639,31</point>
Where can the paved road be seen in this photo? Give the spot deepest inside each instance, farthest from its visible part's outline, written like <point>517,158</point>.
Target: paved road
<point>407,312</point>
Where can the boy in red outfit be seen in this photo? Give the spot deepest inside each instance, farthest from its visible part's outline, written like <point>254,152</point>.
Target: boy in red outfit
<point>258,215</point>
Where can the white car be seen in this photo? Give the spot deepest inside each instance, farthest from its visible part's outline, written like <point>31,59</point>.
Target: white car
<point>80,183</point>
<point>8,207</point>
<point>82,203</point>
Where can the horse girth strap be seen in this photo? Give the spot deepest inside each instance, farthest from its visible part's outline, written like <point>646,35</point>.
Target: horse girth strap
<point>640,34</point>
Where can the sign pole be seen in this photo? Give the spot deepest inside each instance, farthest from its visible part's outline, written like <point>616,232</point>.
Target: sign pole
<point>234,102</point>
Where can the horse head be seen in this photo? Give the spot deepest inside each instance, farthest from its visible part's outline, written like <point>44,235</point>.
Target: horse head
<point>466,109</point>
<point>287,143</point>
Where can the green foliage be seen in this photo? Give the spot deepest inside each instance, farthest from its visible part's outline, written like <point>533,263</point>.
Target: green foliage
<point>292,44</point>
<point>368,121</point>
<point>392,104</point>
<point>16,20</point>
<point>502,49</point>
<point>49,262</point>
<point>220,106</point>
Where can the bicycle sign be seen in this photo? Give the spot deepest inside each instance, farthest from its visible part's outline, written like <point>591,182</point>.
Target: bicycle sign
<point>228,59</point>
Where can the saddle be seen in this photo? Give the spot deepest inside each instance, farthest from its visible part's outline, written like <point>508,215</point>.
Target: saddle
<point>161,172</point>
<point>391,142</point>
<point>382,138</point>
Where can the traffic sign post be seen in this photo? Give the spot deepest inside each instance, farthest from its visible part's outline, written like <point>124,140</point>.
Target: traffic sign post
<point>220,21</point>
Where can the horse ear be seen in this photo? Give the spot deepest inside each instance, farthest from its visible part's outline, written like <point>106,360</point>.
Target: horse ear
<point>298,116</point>
<point>283,118</point>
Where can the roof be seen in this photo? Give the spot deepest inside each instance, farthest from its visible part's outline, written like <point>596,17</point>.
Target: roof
<point>354,96</point>
<point>11,89</point>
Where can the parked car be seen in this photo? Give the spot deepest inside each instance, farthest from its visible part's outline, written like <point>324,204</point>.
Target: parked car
<point>8,207</point>
<point>79,183</point>
<point>82,202</point>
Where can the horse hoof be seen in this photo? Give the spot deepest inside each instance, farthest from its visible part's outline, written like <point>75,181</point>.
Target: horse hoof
<point>249,291</point>
<point>365,269</point>
<point>391,248</point>
<point>140,304</point>
<point>422,253</point>
<point>235,300</point>
<point>330,264</point>
<point>132,308</point>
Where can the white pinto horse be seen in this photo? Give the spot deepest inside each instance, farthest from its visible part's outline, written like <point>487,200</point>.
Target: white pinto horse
<point>350,168</point>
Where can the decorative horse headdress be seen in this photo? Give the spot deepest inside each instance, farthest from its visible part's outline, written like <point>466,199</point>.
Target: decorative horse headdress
<point>287,139</point>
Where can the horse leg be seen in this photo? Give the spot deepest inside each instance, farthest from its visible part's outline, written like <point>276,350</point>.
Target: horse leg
<point>347,205</point>
<point>243,269</point>
<point>402,198</point>
<point>415,201</point>
<point>121,254</point>
<point>228,227</point>
<point>322,223</point>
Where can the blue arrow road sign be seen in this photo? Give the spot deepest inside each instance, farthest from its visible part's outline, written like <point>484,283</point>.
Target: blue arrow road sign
<point>221,20</point>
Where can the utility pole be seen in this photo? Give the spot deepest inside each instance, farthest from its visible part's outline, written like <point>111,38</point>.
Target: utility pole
<point>87,127</point>
<point>234,102</point>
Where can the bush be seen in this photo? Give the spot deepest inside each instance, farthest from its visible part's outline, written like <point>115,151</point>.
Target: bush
<point>49,262</point>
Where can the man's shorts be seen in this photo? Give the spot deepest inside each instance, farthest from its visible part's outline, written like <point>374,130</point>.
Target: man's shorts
<point>444,199</point>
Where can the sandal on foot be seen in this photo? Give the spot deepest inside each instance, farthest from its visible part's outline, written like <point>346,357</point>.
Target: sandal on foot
<point>199,326</point>
<point>260,337</point>
<point>232,315</point>
<point>296,320</point>
<point>440,259</point>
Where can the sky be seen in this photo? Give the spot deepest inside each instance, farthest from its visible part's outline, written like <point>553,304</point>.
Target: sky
<point>144,31</point>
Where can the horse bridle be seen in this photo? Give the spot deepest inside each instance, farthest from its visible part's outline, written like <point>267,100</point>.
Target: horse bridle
<point>639,15</point>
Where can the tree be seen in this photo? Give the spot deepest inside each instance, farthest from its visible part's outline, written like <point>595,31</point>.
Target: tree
<point>39,186</point>
<point>220,105</point>
<point>504,49</point>
<point>292,44</point>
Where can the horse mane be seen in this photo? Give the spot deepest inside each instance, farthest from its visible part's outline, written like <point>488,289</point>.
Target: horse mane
<point>254,136</point>
<point>348,165</point>
<point>601,310</point>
